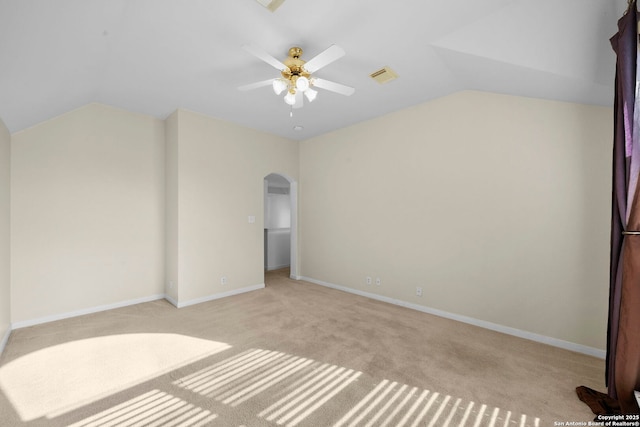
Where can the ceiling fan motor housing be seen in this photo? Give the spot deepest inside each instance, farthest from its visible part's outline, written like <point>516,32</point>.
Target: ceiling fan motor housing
<point>295,65</point>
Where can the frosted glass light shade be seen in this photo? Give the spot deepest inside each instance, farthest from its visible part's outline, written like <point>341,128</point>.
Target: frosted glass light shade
<point>302,83</point>
<point>290,98</point>
<point>279,85</point>
<point>311,94</point>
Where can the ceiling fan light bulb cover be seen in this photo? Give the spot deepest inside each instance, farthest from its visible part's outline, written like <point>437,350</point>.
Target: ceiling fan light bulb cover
<point>290,98</point>
<point>279,86</point>
<point>310,94</point>
<point>302,83</point>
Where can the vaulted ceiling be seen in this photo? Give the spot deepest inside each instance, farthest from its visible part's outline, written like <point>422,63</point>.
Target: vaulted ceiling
<point>154,56</point>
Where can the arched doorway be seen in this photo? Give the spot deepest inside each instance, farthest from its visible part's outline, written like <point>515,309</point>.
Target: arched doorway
<point>280,223</point>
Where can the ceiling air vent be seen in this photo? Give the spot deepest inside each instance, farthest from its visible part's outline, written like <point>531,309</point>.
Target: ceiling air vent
<point>272,5</point>
<point>384,75</point>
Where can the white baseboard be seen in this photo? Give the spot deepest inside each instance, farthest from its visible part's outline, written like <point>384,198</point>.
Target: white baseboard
<point>53,318</point>
<point>216,296</point>
<point>567,345</point>
<point>5,339</point>
<point>277,267</point>
<point>171,300</point>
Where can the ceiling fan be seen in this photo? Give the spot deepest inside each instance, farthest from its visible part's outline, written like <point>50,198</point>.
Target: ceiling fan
<point>296,75</point>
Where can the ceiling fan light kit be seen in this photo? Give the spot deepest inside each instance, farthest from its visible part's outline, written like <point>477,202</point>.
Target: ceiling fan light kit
<point>295,74</point>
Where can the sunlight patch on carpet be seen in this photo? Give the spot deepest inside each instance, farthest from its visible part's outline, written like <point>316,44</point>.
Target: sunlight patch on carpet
<point>296,387</point>
<point>152,409</point>
<point>238,379</point>
<point>425,408</point>
<point>58,379</point>
<point>309,393</point>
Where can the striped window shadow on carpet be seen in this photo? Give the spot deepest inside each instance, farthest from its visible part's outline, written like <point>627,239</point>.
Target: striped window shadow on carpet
<point>309,393</point>
<point>304,384</point>
<point>152,409</point>
<point>395,405</point>
<point>244,376</point>
<point>301,386</point>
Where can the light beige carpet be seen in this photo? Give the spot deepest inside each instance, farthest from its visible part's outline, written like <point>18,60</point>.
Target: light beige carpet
<point>292,354</point>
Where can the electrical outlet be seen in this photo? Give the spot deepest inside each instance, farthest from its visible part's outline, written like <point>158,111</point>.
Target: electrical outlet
<point>378,281</point>
<point>170,285</point>
<point>224,280</point>
<point>419,291</point>
<point>368,280</point>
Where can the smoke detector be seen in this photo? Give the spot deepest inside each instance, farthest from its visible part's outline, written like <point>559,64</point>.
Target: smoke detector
<point>272,5</point>
<point>384,75</point>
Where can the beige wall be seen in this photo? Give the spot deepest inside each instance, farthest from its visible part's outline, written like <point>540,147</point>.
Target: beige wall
<point>88,212</point>
<point>5,292</point>
<point>497,206</point>
<point>221,167</point>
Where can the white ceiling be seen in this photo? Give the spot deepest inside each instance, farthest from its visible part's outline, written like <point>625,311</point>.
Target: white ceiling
<point>154,56</point>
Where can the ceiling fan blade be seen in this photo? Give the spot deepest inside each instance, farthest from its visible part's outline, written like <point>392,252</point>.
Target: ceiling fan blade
<point>324,58</point>
<point>332,86</point>
<point>256,85</point>
<point>299,100</point>
<point>261,54</point>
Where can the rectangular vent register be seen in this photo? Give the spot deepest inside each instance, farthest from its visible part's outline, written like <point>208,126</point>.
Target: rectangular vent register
<point>384,75</point>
